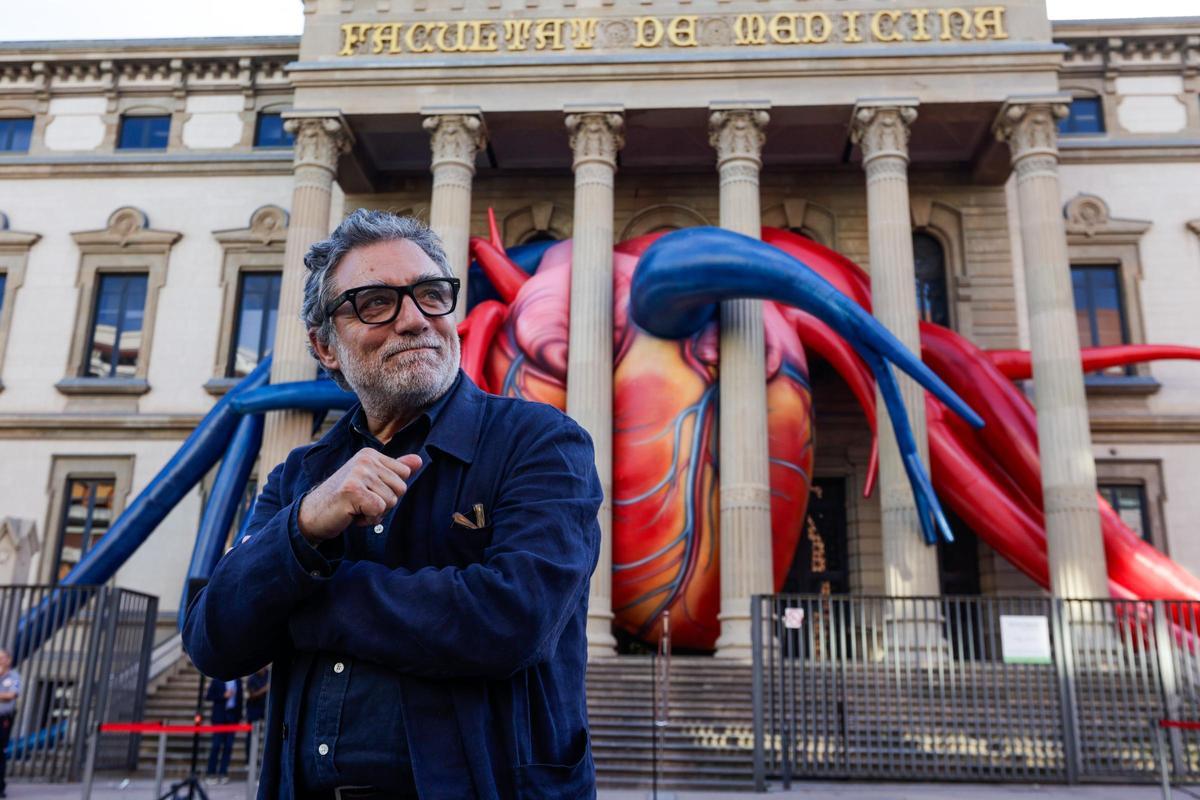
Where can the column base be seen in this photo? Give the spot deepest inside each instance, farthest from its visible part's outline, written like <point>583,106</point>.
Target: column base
<point>600,641</point>
<point>734,643</point>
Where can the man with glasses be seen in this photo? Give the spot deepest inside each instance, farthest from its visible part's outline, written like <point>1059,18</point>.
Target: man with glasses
<point>418,576</point>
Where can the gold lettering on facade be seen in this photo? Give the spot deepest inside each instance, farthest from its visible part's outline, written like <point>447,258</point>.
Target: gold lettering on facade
<point>548,33</point>
<point>782,29</point>
<point>749,29</point>
<point>415,45</point>
<point>892,33</point>
<point>852,34</point>
<point>583,33</point>
<point>681,31</point>
<point>483,36</point>
<point>457,45</point>
<point>516,33</point>
<point>921,34</point>
<point>990,17</point>
<point>949,17</point>
<point>353,34</point>
<point>649,32</point>
<point>888,25</point>
<point>387,35</point>
<point>809,18</point>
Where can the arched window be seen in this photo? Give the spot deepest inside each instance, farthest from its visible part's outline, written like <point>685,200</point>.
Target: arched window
<point>930,262</point>
<point>539,236</point>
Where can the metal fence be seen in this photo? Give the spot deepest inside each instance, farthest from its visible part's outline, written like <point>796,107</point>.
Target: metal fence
<point>972,688</point>
<point>83,653</point>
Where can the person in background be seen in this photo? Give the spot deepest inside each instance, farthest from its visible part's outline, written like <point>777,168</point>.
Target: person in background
<point>226,698</point>
<point>257,686</point>
<point>10,690</point>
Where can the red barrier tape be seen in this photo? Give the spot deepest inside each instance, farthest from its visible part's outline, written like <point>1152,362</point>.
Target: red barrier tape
<point>159,727</point>
<point>1178,723</point>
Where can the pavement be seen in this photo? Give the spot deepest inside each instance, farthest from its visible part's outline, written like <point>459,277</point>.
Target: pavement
<point>112,789</point>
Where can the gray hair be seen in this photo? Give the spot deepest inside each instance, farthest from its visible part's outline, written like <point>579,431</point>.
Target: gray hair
<point>361,228</point>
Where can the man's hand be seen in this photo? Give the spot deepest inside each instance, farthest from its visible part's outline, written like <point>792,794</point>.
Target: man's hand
<point>360,493</point>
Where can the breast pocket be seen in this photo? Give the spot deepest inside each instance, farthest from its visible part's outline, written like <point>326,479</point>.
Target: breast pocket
<point>460,547</point>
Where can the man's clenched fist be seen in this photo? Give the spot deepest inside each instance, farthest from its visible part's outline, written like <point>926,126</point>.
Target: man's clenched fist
<point>359,493</point>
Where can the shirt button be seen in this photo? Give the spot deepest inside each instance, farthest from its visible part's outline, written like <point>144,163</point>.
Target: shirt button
<point>323,749</point>
<point>379,528</point>
<point>316,573</point>
<point>339,667</point>
<point>245,539</point>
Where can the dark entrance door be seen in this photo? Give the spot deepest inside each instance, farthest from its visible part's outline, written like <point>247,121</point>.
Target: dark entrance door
<point>820,565</point>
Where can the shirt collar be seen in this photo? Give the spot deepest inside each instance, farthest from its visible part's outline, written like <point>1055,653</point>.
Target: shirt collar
<point>456,420</point>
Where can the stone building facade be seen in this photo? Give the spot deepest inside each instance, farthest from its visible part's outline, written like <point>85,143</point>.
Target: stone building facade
<point>157,198</point>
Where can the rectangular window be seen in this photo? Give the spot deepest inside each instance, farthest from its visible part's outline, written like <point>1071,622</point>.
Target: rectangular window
<point>1129,501</point>
<point>3,286</point>
<point>144,132</point>
<point>15,134</point>
<point>1099,310</point>
<point>254,326</point>
<point>1086,116</point>
<point>87,515</point>
<point>269,132</point>
<point>116,334</point>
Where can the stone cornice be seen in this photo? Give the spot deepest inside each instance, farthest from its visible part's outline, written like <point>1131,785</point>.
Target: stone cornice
<point>15,241</point>
<point>144,165</point>
<point>128,229</point>
<point>267,229</point>
<point>97,426</point>
<point>1088,217</point>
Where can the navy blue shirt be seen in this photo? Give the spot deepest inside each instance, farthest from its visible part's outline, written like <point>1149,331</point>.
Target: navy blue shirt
<point>357,706</point>
<point>481,631</point>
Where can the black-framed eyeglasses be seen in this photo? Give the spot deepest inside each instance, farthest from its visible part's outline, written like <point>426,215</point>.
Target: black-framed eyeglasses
<point>379,305</point>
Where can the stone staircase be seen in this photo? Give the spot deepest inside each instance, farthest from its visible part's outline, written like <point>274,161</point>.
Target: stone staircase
<point>708,743</point>
<point>172,699</point>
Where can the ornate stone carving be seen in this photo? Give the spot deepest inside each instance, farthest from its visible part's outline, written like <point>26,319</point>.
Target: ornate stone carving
<point>319,141</point>
<point>596,137</point>
<point>882,131</point>
<point>455,138</point>
<point>738,134</point>
<point>1087,213</point>
<point>1030,128</point>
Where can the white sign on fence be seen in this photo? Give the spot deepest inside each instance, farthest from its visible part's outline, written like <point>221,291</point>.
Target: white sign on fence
<point>1025,639</point>
<point>793,618</point>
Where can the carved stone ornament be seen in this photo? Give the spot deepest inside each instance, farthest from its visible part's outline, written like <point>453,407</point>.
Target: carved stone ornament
<point>127,227</point>
<point>1030,128</point>
<point>456,138</point>
<point>596,136</point>
<point>882,130</point>
<point>319,141</point>
<point>125,223</point>
<point>1087,213</point>
<point>269,224</point>
<point>738,134</point>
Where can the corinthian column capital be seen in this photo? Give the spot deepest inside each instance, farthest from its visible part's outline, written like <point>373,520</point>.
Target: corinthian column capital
<point>882,128</point>
<point>596,136</point>
<point>455,138</point>
<point>1031,126</point>
<point>320,139</point>
<point>738,134</point>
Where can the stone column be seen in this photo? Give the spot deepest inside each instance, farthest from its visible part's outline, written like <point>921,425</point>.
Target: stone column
<point>1076,548</point>
<point>737,133</point>
<point>320,140</point>
<point>881,129</point>
<point>456,136</point>
<point>596,136</point>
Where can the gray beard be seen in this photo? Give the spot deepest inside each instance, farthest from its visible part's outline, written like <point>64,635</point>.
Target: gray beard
<point>388,391</point>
